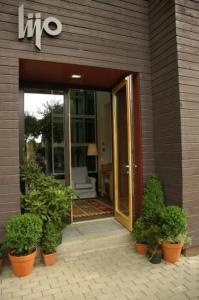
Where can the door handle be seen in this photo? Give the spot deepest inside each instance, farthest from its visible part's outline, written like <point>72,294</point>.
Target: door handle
<point>127,166</point>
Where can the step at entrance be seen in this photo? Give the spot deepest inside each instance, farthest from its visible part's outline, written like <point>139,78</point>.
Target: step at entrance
<point>94,235</point>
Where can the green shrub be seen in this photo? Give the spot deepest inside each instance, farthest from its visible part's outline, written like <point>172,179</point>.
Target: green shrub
<point>45,196</point>
<point>153,201</point>
<point>51,203</point>
<point>140,231</point>
<point>174,224</point>
<point>50,237</point>
<point>23,234</point>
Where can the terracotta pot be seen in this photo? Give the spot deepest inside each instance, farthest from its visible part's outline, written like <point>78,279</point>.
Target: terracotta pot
<point>22,265</point>
<point>141,248</point>
<point>49,259</point>
<point>171,252</point>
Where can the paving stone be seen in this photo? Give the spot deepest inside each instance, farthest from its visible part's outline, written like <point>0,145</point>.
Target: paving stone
<point>194,292</point>
<point>7,296</point>
<point>46,298</point>
<point>33,296</point>
<point>180,297</point>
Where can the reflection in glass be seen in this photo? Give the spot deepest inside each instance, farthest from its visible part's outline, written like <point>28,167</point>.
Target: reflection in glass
<point>81,159</point>
<point>44,131</point>
<point>82,102</point>
<point>83,128</point>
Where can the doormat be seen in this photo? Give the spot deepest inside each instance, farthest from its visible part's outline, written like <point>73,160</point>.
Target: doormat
<point>90,208</point>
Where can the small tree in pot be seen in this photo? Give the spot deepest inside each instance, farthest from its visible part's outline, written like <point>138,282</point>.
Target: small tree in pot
<point>174,230</point>
<point>49,242</point>
<point>153,204</point>
<point>154,239</point>
<point>153,201</point>
<point>23,234</point>
<point>140,236</point>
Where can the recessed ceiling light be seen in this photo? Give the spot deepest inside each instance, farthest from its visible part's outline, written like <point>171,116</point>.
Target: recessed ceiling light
<point>76,76</point>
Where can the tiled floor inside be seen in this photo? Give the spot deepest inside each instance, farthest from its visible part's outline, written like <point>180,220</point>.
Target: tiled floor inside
<point>97,261</point>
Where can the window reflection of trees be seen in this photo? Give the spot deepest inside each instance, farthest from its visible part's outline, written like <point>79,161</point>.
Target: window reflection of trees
<point>44,137</point>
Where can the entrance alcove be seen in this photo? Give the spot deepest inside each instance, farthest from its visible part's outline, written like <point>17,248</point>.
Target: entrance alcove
<point>80,102</point>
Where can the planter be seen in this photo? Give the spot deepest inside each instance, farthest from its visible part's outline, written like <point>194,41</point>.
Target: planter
<point>155,257</point>
<point>22,265</point>
<point>171,252</point>
<point>49,259</point>
<point>141,248</point>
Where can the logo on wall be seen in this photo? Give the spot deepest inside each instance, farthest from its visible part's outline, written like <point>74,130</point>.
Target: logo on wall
<point>34,26</point>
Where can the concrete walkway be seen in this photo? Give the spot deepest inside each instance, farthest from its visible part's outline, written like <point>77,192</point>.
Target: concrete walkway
<point>97,261</point>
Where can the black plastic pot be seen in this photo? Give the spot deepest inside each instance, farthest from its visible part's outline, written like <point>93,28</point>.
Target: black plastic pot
<point>155,257</point>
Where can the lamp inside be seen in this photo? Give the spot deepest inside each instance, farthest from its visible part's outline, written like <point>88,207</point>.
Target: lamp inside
<point>92,150</point>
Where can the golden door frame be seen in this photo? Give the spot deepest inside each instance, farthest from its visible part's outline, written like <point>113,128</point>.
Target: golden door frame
<point>126,221</point>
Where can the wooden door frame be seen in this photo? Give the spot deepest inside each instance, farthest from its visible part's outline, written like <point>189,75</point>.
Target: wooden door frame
<point>136,149</point>
<point>127,221</point>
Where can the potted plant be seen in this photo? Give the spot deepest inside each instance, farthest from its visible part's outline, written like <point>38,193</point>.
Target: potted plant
<point>174,230</point>
<point>154,239</point>
<point>140,236</point>
<point>49,242</point>
<point>22,236</point>
<point>45,196</point>
<point>153,201</point>
<point>1,253</point>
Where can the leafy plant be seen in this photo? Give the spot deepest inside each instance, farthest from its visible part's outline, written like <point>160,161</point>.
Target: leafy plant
<point>45,196</point>
<point>23,234</point>
<point>153,201</point>
<point>140,231</point>
<point>50,237</point>
<point>153,237</point>
<point>51,203</point>
<point>174,225</point>
<point>30,172</point>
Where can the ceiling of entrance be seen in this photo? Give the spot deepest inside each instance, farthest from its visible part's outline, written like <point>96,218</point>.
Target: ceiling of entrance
<point>58,73</point>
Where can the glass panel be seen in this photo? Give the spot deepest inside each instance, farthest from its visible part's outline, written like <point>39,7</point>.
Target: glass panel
<point>78,157</point>
<point>81,159</point>
<point>83,128</point>
<point>44,131</point>
<point>122,148</point>
<point>58,160</point>
<point>77,102</point>
<point>82,102</point>
<point>89,103</point>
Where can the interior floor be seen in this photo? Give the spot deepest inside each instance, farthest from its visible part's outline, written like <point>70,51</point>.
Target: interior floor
<point>88,209</point>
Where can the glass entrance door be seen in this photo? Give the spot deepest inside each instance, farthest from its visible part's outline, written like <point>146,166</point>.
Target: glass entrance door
<point>122,153</point>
